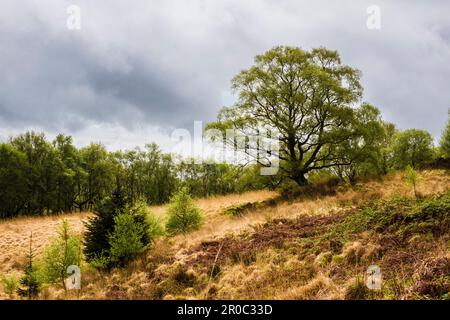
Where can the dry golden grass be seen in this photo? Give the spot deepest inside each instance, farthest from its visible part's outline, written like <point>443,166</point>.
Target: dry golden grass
<point>215,223</point>
<point>267,278</point>
<point>321,287</point>
<point>218,225</point>
<point>15,236</point>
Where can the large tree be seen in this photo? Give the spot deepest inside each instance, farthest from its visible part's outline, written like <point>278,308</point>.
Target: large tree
<point>308,98</point>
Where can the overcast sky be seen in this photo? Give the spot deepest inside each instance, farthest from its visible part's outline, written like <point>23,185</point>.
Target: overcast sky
<point>138,69</point>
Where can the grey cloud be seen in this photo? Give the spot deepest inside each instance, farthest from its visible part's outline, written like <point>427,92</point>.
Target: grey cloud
<point>167,63</point>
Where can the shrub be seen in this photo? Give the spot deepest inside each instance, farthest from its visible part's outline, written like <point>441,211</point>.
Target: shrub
<point>63,251</point>
<point>127,239</point>
<point>30,285</point>
<point>412,178</point>
<point>128,232</point>
<point>240,209</point>
<point>184,215</point>
<point>98,228</point>
<point>357,291</point>
<point>101,261</point>
<point>318,187</point>
<point>10,284</point>
<point>142,216</point>
<point>155,227</point>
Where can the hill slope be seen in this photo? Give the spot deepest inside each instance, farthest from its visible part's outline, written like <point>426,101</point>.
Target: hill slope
<point>306,248</point>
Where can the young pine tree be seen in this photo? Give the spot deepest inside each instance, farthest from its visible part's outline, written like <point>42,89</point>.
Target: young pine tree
<point>29,286</point>
<point>98,228</point>
<point>117,233</point>
<point>128,239</point>
<point>412,178</point>
<point>184,215</point>
<point>61,253</point>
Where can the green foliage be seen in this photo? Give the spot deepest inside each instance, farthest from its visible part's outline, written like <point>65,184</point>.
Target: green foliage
<point>126,239</point>
<point>99,226</point>
<point>402,216</point>
<point>155,227</point>
<point>412,147</point>
<point>9,283</point>
<point>206,179</point>
<point>357,290</point>
<point>13,182</point>
<point>29,284</point>
<point>367,218</point>
<point>240,209</point>
<point>386,147</point>
<point>95,176</point>
<point>101,261</point>
<point>118,232</point>
<point>184,215</point>
<point>412,177</point>
<point>39,177</point>
<point>315,134</point>
<point>445,140</point>
<point>362,154</point>
<point>146,174</point>
<point>63,251</point>
<point>431,208</point>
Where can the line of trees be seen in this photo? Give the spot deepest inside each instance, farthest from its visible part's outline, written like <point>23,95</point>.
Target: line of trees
<point>40,177</point>
<point>308,98</point>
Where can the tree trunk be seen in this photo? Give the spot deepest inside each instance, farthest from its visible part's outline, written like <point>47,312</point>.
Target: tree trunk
<point>300,179</point>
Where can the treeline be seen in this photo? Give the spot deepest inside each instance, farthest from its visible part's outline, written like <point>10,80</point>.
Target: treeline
<point>390,149</point>
<point>40,177</point>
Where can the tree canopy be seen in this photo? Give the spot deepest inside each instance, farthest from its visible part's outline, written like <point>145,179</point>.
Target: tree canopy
<point>309,99</point>
<point>38,176</point>
<point>412,147</point>
<point>445,140</point>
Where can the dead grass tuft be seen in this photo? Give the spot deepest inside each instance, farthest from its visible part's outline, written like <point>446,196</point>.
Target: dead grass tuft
<point>320,288</point>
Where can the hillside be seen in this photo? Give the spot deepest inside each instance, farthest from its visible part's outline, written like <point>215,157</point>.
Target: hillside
<point>305,247</point>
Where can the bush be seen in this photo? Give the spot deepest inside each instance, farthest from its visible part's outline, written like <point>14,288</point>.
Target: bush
<point>10,284</point>
<point>412,177</point>
<point>126,241</point>
<point>62,252</point>
<point>402,216</point>
<point>319,186</point>
<point>184,215</point>
<point>128,231</point>
<point>357,291</point>
<point>142,216</point>
<point>29,284</point>
<point>155,227</point>
<point>98,228</point>
<point>239,209</point>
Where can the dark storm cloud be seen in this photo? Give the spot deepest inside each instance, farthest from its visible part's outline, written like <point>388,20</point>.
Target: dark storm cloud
<point>57,81</point>
<point>141,65</point>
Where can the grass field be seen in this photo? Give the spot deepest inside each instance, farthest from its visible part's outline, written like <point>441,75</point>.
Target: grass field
<point>302,248</point>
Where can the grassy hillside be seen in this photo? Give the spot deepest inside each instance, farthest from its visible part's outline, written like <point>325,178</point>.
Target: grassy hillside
<point>260,245</point>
